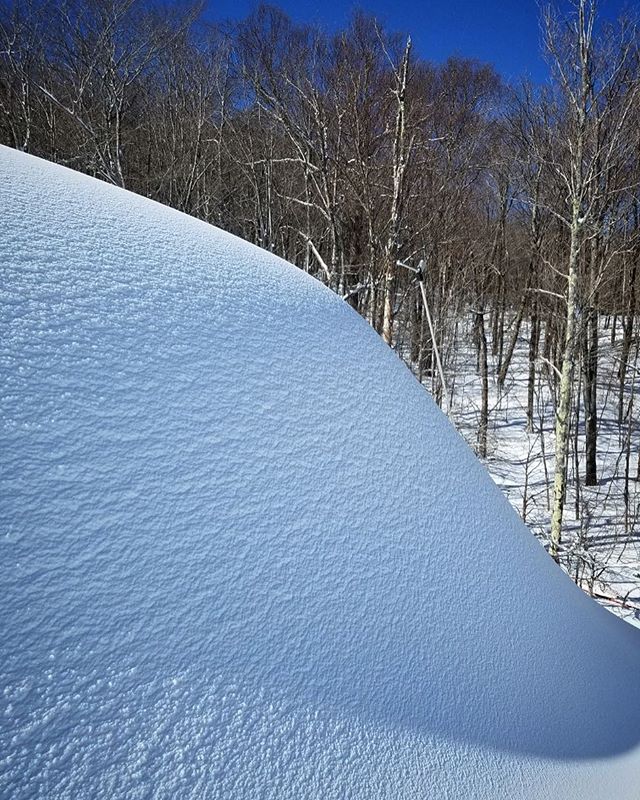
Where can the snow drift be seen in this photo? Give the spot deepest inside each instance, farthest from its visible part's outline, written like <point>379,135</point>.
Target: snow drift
<point>244,555</point>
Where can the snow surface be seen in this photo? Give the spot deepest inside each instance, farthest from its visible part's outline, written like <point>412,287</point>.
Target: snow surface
<point>245,556</point>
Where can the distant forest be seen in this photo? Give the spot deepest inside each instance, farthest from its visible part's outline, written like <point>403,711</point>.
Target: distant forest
<point>348,153</point>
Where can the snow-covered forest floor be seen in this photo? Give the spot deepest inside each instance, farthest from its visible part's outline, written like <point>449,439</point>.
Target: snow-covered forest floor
<point>601,547</point>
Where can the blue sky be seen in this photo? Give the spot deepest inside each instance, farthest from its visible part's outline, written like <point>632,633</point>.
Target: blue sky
<point>506,34</point>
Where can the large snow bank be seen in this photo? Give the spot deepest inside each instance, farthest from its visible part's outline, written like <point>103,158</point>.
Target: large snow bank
<point>245,556</point>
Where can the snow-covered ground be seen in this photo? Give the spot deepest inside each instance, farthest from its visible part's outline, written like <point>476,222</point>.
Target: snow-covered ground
<point>243,553</point>
<point>602,537</point>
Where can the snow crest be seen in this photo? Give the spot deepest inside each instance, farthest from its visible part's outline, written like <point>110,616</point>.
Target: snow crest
<point>244,555</point>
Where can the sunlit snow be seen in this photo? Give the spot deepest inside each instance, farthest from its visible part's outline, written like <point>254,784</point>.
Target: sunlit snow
<point>245,556</point>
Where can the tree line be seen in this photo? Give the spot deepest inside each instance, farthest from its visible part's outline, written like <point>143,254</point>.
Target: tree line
<point>356,159</point>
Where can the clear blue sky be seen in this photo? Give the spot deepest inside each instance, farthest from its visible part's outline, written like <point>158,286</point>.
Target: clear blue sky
<point>506,33</point>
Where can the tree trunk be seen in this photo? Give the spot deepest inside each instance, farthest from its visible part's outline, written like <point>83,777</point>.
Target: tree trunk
<point>590,376</point>
<point>400,158</point>
<point>506,362</point>
<point>627,336</point>
<point>481,338</point>
<point>563,410</point>
<point>534,338</point>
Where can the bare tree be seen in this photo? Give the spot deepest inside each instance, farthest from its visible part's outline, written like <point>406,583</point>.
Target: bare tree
<point>584,108</point>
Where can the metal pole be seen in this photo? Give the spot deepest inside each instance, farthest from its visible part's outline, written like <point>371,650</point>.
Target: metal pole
<point>420,273</point>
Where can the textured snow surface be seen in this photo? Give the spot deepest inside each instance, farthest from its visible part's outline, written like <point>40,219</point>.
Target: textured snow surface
<point>243,553</point>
